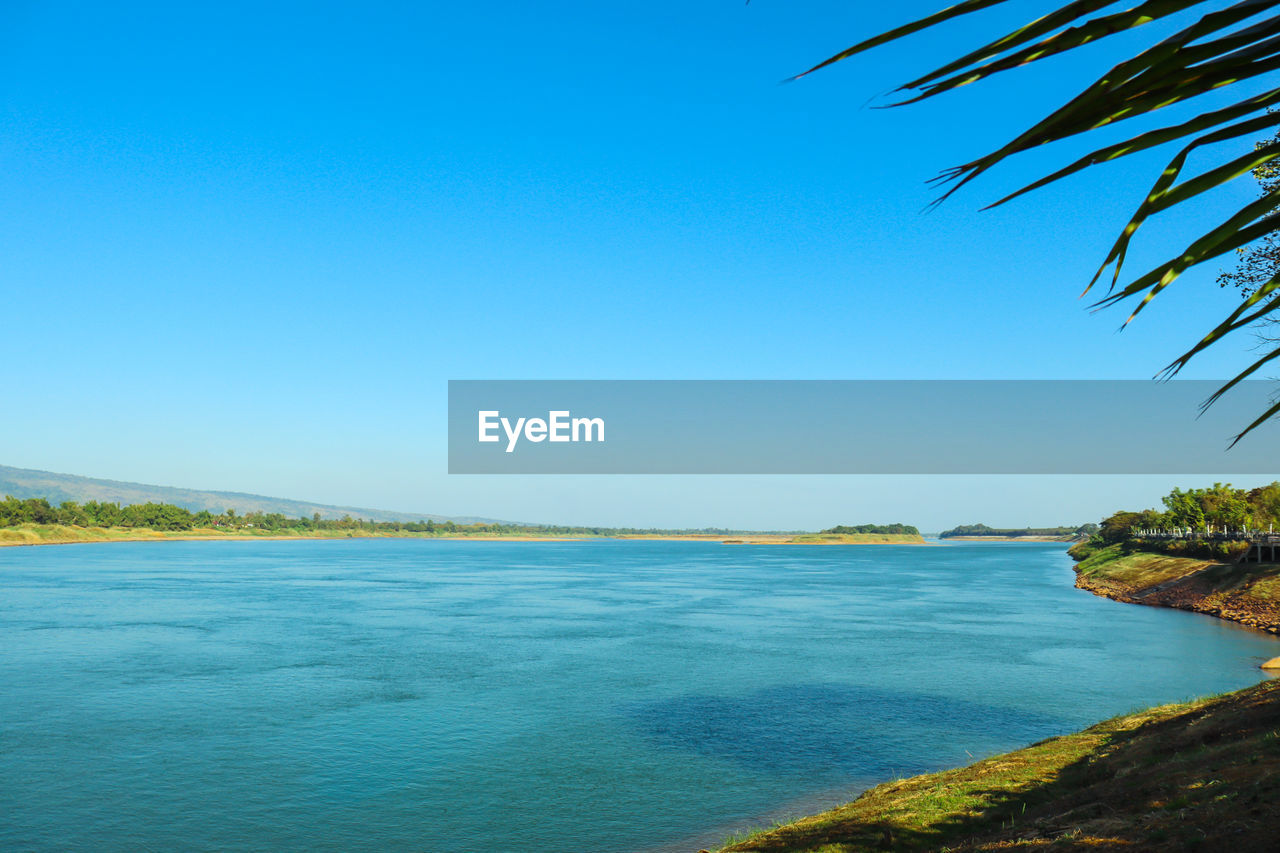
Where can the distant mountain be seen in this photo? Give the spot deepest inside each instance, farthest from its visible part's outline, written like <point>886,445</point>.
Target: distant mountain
<point>26,483</point>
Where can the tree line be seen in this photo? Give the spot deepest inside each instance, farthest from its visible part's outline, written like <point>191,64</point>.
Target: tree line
<point>170,518</point>
<point>1221,507</point>
<point>887,529</point>
<point>1208,518</point>
<point>1013,532</point>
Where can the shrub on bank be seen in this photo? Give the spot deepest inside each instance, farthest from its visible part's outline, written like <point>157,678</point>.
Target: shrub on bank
<point>1200,549</point>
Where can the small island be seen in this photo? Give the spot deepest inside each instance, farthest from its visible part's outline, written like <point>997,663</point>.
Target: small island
<point>863,534</point>
<point>981,532</point>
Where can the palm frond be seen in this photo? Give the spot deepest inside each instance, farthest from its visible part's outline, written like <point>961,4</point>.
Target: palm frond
<point>1223,47</point>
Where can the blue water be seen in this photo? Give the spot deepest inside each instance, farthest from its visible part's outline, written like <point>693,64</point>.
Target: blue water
<point>582,696</point>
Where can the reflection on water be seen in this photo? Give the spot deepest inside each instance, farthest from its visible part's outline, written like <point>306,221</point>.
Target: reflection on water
<point>831,730</point>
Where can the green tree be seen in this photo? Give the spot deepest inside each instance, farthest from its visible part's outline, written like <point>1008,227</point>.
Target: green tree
<point>102,514</point>
<point>70,512</point>
<point>1183,510</point>
<point>1265,501</point>
<point>1258,263</point>
<point>1221,506</point>
<point>1119,526</point>
<point>1223,48</point>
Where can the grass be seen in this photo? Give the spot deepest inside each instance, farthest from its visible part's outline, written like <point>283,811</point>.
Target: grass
<point>52,534</point>
<point>1245,586</point>
<point>1198,775</point>
<point>856,539</point>
<point>1260,583</point>
<point>1138,569</point>
<point>61,534</point>
<point>745,835</point>
<point>41,534</point>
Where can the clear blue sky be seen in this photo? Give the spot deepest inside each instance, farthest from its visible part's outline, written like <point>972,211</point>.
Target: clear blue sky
<point>246,245</point>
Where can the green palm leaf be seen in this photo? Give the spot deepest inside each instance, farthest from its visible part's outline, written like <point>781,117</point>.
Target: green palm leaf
<point>1162,196</point>
<point>1158,137</point>
<point>1223,47</point>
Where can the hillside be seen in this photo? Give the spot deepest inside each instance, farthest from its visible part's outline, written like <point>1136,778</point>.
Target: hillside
<point>1204,775</point>
<point>1247,593</point>
<point>27,483</point>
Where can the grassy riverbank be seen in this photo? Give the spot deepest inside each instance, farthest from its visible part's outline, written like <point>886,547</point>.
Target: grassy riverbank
<point>1200,775</point>
<point>1246,593</point>
<point>65,534</point>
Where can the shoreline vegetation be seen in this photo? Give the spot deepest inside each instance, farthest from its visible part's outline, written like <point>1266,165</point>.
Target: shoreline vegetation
<point>59,534</point>
<point>1190,555</point>
<point>1007,539</point>
<point>983,533</point>
<point>62,534</point>
<point>1248,594</point>
<point>35,521</point>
